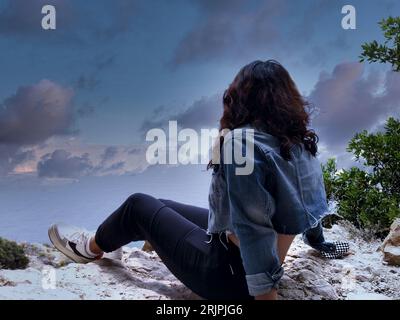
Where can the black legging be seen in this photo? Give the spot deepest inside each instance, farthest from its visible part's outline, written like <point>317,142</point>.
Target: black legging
<point>177,232</point>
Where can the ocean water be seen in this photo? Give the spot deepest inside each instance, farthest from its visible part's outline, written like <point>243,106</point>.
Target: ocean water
<point>28,206</point>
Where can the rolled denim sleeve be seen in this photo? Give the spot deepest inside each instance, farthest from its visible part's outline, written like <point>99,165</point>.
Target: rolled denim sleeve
<point>252,207</point>
<point>314,236</point>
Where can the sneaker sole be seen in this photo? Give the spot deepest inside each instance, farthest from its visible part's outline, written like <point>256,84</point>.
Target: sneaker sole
<point>57,243</point>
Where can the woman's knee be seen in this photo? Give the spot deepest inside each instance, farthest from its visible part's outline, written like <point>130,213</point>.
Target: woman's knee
<point>142,205</point>
<point>137,198</point>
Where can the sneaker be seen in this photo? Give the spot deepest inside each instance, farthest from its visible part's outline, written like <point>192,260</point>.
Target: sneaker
<point>341,250</point>
<point>329,250</point>
<point>72,241</point>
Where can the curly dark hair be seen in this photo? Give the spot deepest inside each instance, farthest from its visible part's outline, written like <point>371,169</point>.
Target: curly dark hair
<point>264,95</point>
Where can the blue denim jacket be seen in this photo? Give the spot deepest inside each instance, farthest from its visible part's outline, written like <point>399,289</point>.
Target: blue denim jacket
<point>278,196</point>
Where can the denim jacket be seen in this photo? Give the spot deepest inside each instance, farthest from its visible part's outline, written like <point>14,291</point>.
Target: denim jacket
<point>278,196</point>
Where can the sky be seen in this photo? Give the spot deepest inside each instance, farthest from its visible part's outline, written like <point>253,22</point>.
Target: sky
<point>76,102</point>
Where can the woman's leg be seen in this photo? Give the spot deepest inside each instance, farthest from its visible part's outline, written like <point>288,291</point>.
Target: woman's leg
<point>196,215</point>
<point>206,268</point>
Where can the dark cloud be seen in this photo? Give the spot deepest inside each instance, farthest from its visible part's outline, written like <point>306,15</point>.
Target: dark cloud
<point>135,151</point>
<point>7,154</point>
<point>105,62</point>
<point>114,167</point>
<point>122,13</point>
<point>305,32</point>
<point>347,100</point>
<point>350,100</point>
<point>86,82</point>
<point>61,164</point>
<point>203,113</point>
<point>36,113</point>
<point>21,17</point>
<point>76,22</point>
<point>109,153</point>
<point>31,116</point>
<point>21,156</point>
<point>85,110</point>
<point>229,28</point>
<point>249,29</point>
<point>91,80</point>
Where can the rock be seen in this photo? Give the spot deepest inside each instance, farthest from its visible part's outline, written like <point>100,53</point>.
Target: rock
<point>5,282</point>
<point>391,245</point>
<point>306,276</point>
<point>393,237</point>
<point>391,255</point>
<point>147,247</point>
<point>367,296</point>
<point>325,291</point>
<point>291,294</point>
<point>361,278</point>
<point>142,275</point>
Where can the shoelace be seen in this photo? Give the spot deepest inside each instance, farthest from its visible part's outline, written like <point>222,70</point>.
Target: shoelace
<point>80,237</point>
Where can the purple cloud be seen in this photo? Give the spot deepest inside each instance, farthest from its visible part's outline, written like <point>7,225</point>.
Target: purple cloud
<point>245,30</point>
<point>23,18</point>
<point>109,154</point>
<point>35,113</point>
<point>203,113</point>
<point>350,100</point>
<point>61,164</point>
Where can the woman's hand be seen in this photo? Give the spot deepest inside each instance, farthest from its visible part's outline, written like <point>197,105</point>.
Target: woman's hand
<point>272,295</point>
<point>233,239</point>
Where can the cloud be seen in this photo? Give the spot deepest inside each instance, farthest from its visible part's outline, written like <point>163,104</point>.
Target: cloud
<point>109,153</point>
<point>91,80</point>
<point>228,27</point>
<point>85,110</point>
<point>36,113</point>
<point>135,150</point>
<point>23,17</point>
<point>22,156</point>
<point>203,113</point>
<point>37,136</point>
<point>116,167</point>
<point>72,159</point>
<point>351,100</point>
<point>77,21</point>
<point>104,62</point>
<point>32,115</point>
<point>61,164</point>
<point>122,13</point>
<point>86,82</point>
<point>243,30</point>
<point>7,154</point>
<point>302,32</point>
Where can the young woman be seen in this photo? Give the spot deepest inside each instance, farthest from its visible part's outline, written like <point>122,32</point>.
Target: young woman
<point>234,250</point>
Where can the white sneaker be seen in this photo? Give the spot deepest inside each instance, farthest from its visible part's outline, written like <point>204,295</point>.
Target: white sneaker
<point>72,242</point>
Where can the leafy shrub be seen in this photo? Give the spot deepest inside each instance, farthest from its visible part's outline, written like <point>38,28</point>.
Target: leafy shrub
<point>369,197</point>
<point>389,51</point>
<point>12,255</point>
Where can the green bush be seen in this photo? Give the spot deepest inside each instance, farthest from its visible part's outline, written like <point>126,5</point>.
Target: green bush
<point>369,197</point>
<point>389,51</point>
<point>12,255</point>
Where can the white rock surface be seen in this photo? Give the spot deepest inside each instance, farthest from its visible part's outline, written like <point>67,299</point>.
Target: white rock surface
<point>141,275</point>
